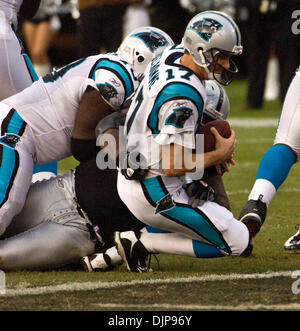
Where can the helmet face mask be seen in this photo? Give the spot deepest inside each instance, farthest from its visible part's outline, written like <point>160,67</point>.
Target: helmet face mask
<point>219,73</point>
<point>142,45</point>
<point>210,35</point>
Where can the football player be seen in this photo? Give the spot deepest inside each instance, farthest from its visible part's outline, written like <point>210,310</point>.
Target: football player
<point>166,112</point>
<point>275,165</point>
<point>16,70</point>
<point>58,113</point>
<point>217,108</point>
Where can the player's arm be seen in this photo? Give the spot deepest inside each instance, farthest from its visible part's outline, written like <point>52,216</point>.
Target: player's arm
<point>171,154</point>
<point>29,8</point>
<point>92,109</point>
<point>177,120</point>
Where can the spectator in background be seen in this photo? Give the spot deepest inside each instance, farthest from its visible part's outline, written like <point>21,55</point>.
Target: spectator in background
<point>267,24</point>
<point>100,25</point>
<point>136,15</point>
<point>170,16</point>
<point>38,33</point>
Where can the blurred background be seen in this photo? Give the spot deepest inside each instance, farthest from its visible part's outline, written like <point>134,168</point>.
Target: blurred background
<point>65,30</point>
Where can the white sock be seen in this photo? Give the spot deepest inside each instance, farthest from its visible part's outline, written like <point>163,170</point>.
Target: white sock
<point>264,190</point>
<point>168,243</point>
<point>115,258</point>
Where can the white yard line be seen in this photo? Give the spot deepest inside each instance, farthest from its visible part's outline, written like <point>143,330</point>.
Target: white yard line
<point>253,122</point>
<point>88,286</point>
<point>247,191</point>
<point>290,306</point>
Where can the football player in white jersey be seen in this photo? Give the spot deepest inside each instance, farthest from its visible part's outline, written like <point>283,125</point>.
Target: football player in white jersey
<point>16,70</point>
<point>57,114</point>
<point>275,165</point>
<point>160,129</point>
<point>158,241</point>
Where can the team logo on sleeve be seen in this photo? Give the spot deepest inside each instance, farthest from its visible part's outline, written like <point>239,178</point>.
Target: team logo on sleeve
<point>152,40</point>
<point>107,91</point>
<point>10,140</point>
<point>206,28</point>
<point>164,204</point>
<point>179,117</point>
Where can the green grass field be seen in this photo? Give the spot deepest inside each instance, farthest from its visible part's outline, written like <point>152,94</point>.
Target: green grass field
<point>260,282</point>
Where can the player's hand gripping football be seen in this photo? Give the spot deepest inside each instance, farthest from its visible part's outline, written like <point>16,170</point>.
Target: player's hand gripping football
<point>225,148</point>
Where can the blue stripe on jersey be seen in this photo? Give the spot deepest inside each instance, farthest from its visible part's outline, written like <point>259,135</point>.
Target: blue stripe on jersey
<point>120,71</point>
<point>183,214</point>
<point>170,92</point>
<point>7,171</point>
<point>15,124</point>
<point>151,229</point>
<point>30,68</point>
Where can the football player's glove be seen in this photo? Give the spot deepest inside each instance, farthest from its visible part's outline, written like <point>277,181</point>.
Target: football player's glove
<point>132,165</point>
<point>199,192</point>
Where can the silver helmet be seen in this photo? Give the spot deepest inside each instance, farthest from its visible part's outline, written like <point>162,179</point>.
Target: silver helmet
<point>217,104</point>
<point>142,45</point>
<point>209,35</point>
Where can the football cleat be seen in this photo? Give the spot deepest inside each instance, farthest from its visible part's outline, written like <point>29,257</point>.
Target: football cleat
<point>253,216</point>
<point>132,251</point>
<point>97,262</point>
<point>293,243</point>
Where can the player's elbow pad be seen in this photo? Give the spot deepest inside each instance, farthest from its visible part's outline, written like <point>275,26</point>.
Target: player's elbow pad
<point>84,149</point>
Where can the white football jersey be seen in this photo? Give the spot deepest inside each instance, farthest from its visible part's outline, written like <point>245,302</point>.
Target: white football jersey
<point>166,109</point>
<point>49,105</point>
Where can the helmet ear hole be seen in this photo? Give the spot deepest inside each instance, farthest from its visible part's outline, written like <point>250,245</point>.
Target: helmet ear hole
<point>140,58</point>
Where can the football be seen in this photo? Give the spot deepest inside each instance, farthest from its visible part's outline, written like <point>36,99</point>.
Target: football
<point>224,130</point>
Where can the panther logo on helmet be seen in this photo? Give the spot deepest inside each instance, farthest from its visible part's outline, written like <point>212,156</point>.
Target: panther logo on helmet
<point>152,40</point>
<point>206,28</point>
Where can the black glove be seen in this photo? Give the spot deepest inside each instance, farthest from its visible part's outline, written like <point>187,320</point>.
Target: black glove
<point>132,166</point>
<point>199,192</point>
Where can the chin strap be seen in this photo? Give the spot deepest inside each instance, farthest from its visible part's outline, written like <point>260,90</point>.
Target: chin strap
<point>205,64</point>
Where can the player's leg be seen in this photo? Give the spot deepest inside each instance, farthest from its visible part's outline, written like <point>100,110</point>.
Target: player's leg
<point>135,246</point>
<point>276,163</point>
<point>38,47</point>
<point>56,235</point>
<point>47,245</point>
<point>210,223</point>
<point>16,164</point>
<point>17,71</point>
<point>108,260</point>
<point>14,73</point>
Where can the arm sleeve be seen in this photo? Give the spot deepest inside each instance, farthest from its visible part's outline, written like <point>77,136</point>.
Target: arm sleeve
<point>111,88</point>
<point>177,122</point>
